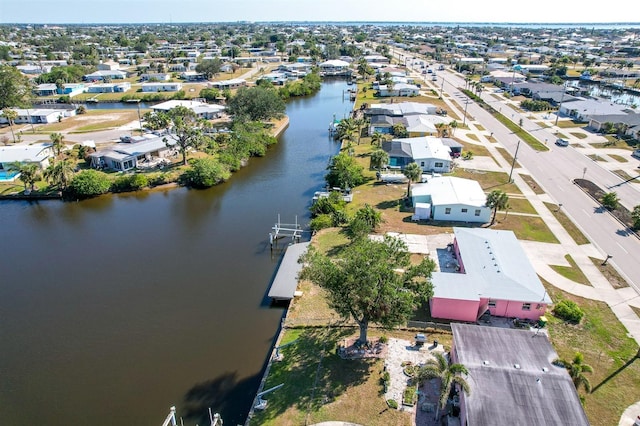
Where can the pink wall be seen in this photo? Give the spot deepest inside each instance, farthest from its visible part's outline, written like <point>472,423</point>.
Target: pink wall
<point>456,249</point>
<point>511,309</point>
<point>461,310</point>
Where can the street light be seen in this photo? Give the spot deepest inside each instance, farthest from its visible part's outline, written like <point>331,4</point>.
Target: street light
<point>606,260</point>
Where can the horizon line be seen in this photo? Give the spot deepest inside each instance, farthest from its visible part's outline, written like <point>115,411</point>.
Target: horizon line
<point>616,23</point>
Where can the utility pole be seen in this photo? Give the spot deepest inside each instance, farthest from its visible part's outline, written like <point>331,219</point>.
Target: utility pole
<point>464,120</point>
<point>564,89</point>
<point>513,164</point>
<point>441,87</point>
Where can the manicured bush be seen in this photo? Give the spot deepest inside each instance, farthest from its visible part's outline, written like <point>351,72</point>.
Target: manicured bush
<point>89,183</point>
<point>568,311</point>
<point>392,403</point>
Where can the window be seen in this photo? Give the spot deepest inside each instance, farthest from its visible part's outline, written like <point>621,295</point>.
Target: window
<point>477,212</point>
<point>422,164</point>
<point>464,210</point>
<point>440,164</point>
<point>447,210</point>
<point>492,303</point>
<point>526,306</point>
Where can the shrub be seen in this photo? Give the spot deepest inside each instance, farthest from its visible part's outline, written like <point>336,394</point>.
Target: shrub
<point>132,182</point>
<point>205,172</point>
<point>568,311</point>
<point>392,403</point>
<point>321,222</point>
<point>383,339</point>
<point>89,183</point>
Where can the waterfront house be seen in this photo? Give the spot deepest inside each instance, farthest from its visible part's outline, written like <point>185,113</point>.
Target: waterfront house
<point>150,150</point>
<point>38,153</point>
<point>429,152</point>
<point>102,74</point>
<point>334,67</point>
<point>161,87</point>
<point>109,87</point>
<point>512,379</point>
<point>233,83</point>
<point>201,109</point>
<point>46,89</point>
<point>399,89</point>
<point>449,198</point>
<point>492,273</point>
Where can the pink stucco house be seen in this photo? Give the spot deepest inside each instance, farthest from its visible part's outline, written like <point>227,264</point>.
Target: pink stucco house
<point>494,275</point>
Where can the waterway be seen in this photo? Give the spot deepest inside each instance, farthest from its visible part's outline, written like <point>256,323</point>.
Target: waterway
<point>116,308</point>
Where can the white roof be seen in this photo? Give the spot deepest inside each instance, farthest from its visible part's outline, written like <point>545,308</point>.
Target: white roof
<point>447,190</point>
<point>496,267</point>
<point>335,63</point>
<point>166,106</point>
<point>24,153</point>
<point>419,123</point>
<point>428,147</point>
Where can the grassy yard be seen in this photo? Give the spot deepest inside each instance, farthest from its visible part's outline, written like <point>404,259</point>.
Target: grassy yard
<point>521,205</point>
<point>570,124</point>
<point>532,184</point>
<point>526,228</point>
<point>619,158</point>
<point>603,341</point>
<point>93,120</point>
<point>567,224</point>
<point>573,272</point>
<point>596,157</point>
<point>610,273</point>
<point>488,180</point>
<point>477,150</point>
<point>507,156</point>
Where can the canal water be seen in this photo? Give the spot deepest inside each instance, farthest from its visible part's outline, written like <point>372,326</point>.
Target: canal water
<point>116,308</point>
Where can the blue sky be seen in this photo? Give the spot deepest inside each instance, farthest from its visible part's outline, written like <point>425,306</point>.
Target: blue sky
<point>134,11</point>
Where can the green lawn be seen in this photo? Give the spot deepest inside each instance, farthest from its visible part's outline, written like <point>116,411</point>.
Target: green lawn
<point>603,341</point>
<point>573,272</point>
<point>488,180</point>
<point>567,224</point>
<point>526,228</point>
<point>532,184</point>
<point>619,158</point>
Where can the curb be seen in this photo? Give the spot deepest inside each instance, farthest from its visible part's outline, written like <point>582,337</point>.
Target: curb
<point>627,227</point>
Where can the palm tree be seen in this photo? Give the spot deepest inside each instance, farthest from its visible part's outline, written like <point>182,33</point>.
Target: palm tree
<point>440,127</point>
<point>59,174</point>
<point>413,172</point>
<point>57,143</point>
<point>377,138</point>
<point>11,116</point>
<point>379,158</point>
<point>497,200</point>
<point>29,173</point>
<point>449,376</point>
<point>576,370</point>
<point>454,126</point>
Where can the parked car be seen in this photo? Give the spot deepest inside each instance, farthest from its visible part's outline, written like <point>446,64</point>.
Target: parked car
<point>562,142</point>
<point>636,153</point>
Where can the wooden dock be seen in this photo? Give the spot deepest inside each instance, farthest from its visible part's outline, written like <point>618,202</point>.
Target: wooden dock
<point>286,280</point>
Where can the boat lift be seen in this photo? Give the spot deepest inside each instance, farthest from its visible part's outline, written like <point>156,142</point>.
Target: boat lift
<point>277,356</point>
<point>262,403</point>
<point>283,230</point>
<point>171,418</point>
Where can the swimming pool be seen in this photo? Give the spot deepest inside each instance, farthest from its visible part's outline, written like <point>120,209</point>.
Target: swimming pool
<point>6,176</point>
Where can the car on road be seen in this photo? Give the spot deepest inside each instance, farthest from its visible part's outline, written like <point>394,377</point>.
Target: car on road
<point>562,142</point>
<point>636,153</point>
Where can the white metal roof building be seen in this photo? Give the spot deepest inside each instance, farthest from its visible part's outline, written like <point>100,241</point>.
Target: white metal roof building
<point>494,274</point>
<point>451,199</point>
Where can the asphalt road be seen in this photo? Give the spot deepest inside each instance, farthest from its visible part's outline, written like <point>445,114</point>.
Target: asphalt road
<point>554,170</point>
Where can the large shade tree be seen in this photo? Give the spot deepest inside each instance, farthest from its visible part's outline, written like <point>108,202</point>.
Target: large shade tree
<point>449,375</point>
<point>186,129</point>
<point>256,104</point>
<point>371,282</point>
<point>344,172</point>
<point>15,88</point>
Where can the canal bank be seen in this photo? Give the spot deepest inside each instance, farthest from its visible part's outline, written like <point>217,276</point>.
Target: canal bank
<point>141,301</point>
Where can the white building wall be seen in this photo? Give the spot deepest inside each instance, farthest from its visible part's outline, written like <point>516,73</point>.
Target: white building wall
<point>455,212</point>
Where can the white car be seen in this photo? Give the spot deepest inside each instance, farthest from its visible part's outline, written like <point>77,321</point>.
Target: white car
<point>562,142</point>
